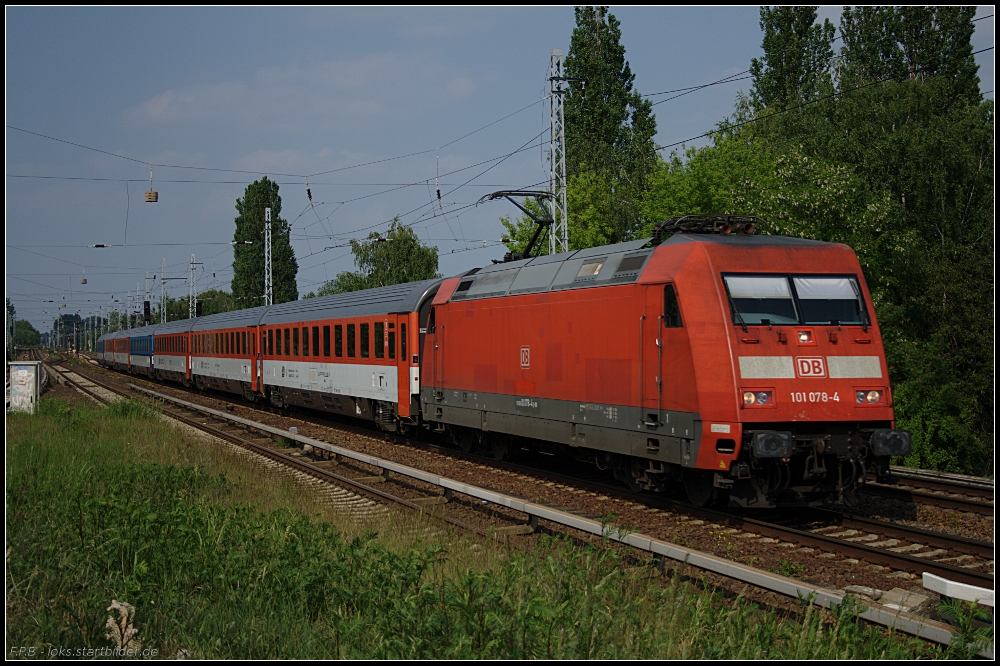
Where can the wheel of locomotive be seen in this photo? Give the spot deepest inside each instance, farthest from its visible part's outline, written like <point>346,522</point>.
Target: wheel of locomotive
<point>698,486</point>
<point>635,475</point>
<point>500,444</point>
<point>463,438</point>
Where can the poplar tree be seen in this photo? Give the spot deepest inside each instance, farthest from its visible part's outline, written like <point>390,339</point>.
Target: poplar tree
<point>797,55</point>
<point>917,43</point>
<point>610,152</point>
<point>248,260</point>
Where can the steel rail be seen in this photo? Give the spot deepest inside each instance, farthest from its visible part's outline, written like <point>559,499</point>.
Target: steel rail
<point>929,499</point>
<point>922,627</point>
<point>927,629</point>
<point>869,554</point>
<point>290,461</point>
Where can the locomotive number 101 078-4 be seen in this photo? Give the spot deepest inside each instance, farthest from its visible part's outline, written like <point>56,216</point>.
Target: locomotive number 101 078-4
<point>814,396</point>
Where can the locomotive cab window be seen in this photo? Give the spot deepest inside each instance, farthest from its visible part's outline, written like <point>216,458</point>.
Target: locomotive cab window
<point>760,300</point>
<point>671,311</point>
<point>830,300</point>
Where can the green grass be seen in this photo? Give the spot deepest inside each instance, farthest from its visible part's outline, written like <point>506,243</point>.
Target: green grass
<point>113,503</point>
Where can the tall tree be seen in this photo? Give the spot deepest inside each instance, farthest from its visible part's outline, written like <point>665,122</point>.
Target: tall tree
<point>610,151</point>
<point>395,258</point>
<point>919,43</point>
<point>797,55</point>
<point>248,260</point>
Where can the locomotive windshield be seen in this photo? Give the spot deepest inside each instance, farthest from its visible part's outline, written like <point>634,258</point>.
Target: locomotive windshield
<point>776,300</point>
<point>829,300</point>
<point>761,300</point>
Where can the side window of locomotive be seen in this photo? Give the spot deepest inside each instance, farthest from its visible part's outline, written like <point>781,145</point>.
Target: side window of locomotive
<point>338,340</point>
<point>364,340</point>
<point>379,340</point>
<point>326,341</point>
<point>830,300</point>
<point>350,340</point>
<point>760,299</point>
<point>432,322</point>
<point>671,311</point>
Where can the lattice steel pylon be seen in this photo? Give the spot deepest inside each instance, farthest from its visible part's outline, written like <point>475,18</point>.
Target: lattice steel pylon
<point>192,297</point>
<point>268,284</point>
<point>559,235</point>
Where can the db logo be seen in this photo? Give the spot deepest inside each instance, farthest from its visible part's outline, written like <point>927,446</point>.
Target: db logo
<point>525,357</point>
<point>810,366</point>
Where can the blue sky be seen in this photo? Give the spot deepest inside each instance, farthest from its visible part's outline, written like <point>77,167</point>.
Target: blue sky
<point>245,92</point>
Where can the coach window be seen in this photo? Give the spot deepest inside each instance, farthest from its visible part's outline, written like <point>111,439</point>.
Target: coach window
<point>671,311</point>
<point>270,342</point>
<point>350,340</point>
<point>316,341</point>
<point>326,341</point>
<point>233,340</point>
<point>392,343</point>
<point>244,334</point>
<point>379,340</point>
<point>227,340</point>
<point>338,340</point>
<point>295,341</point>
<point>288,342</point>
<point>277,340</point>
<point>305,341</point>
<point>402,341</point>
<point>364,340</point>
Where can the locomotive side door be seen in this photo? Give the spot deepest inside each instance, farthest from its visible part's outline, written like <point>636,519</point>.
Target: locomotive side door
<point>651,356</point>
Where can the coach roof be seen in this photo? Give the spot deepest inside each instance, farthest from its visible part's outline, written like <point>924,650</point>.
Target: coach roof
<point>381,300</point>
<point>234,319</point>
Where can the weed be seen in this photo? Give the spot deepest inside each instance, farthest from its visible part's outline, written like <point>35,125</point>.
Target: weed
<point>971,636</point>
<point>788,568</point>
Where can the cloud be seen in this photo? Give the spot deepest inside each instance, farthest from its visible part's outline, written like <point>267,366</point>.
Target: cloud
<point>325,94</point>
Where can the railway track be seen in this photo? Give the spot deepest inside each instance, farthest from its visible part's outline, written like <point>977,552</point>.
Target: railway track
<point>828,534</point>
<point>354,496</point>
<point>833,536</point>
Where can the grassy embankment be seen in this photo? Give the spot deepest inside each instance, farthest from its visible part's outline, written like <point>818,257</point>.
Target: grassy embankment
<point>220,560</point>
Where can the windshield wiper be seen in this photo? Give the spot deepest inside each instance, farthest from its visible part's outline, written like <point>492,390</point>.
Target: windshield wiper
<point>736,311</point>
<point>861,304</point>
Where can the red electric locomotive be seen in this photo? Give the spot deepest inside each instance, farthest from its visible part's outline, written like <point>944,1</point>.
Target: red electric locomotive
<point>749,368</point>
<point>746,368</point>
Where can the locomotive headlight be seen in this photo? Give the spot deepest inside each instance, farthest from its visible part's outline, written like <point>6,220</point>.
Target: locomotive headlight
<point>755,398</point>
<point>805,337</point>
<point>869,396</point>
